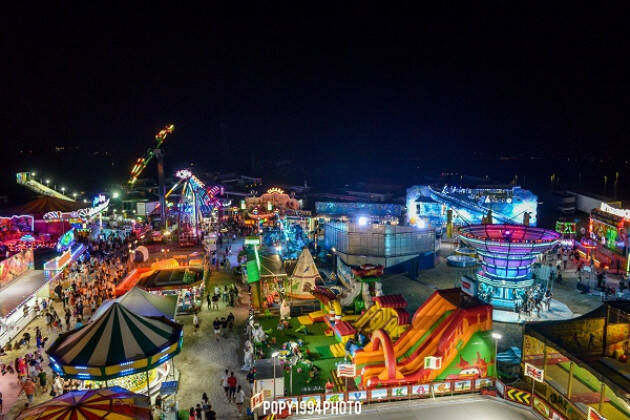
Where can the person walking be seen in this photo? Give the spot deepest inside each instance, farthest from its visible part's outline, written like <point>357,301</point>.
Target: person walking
<point>216,326</point>
<point>225,385</point>
<point>29,390</point>
<point>196,322</point>
<point>239,398</point>
<point>232,381</point>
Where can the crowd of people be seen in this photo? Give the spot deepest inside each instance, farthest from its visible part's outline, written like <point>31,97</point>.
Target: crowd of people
<point>79,289</point>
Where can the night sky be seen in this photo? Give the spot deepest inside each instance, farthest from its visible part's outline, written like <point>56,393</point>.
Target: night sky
<point>313,93</point>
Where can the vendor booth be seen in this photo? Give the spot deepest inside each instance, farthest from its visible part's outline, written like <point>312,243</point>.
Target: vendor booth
<point>185,282</point>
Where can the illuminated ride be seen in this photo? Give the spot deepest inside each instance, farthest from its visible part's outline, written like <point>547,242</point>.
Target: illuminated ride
<point>196,201</point>
<point>152,152</point>
<point>142,162</point>
<point>117,344</point>
<point>507,253</point>
<point>428,205</point>
<point>28,180</point>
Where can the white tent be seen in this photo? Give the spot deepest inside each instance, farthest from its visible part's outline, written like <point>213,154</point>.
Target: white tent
<point>304,276</point>
<point>141,254</point>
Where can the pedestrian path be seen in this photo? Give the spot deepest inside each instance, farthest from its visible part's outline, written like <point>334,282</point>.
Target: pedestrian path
<point>557,311</point>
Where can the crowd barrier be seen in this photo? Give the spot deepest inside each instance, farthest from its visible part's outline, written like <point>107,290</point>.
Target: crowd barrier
<point>520,396</point>
<point>430,390</point>
<point>405,392</point>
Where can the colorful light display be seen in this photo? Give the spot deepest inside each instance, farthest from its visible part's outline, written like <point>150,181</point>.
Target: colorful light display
<point>15,266</point>
<point>142,162</point>
<point>470,205</point>
<point>65,241</point>
<point>507,253</point>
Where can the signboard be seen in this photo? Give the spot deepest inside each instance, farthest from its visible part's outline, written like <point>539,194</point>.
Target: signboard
<point>256,400</point>
<point>462,386</point>
<point>533,372</point>
<point>519,396</point>
<point>400,391</point>
<point>253,275</point>
<point>346,370</point>
<point>625,213</point>
<point>469,286</point>
<point>421,389</point>
<point>378,393</point>
<point>441,387</point>
<point>357,395</point>
<point>483,383</point>
<point>432,362</point>
<point>542,407</point>
<point>252,240</point>
<point>594,415</point>
<point>500,387</point>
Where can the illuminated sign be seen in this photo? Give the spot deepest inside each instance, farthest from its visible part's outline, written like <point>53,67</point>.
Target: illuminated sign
<point>625,213</point>
<point>99,204</point>
<point>275,190</point>
<point>183,174</point>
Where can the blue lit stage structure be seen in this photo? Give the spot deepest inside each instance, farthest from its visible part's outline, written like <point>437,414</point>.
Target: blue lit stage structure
<point>507,253</point>
<point>352,210</point>
<point>428,206</point>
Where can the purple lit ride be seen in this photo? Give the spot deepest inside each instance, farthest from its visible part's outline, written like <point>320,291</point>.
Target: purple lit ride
<point>507,253</point>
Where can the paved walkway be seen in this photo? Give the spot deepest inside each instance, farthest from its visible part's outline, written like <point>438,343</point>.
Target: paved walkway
<point>443,408</point>
<point>203,359</point>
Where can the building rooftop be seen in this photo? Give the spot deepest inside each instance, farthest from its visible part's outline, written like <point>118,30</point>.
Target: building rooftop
<point>590,340</point>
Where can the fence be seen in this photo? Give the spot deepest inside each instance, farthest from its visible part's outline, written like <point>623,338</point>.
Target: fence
<point>404,392</point>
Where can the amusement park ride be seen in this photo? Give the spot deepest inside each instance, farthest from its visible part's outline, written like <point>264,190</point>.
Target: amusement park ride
<point>142,162</point>
<point>196,200</point>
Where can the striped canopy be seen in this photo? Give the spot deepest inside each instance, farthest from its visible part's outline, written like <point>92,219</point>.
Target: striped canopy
<point>108,403</point>
<point>117,343</point>
<point>142,303</point>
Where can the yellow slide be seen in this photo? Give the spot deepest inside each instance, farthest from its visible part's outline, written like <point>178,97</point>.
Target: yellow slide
<point>424,318</point>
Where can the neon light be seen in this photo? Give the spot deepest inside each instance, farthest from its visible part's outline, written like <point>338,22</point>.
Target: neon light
<point>183,174</point>
<point>126,372</point>
<point>126,363</point>
<point>15,219</point>
<point>625,213</point>
<point>275,190</point>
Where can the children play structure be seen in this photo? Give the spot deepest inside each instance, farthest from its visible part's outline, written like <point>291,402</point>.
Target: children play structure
<point>388,314</point>
<point>447,339</point>
<point>304,277</point>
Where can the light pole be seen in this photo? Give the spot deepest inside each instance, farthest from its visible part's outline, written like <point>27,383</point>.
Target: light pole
<point>334,254</point>
<point>274,355</point>
<point>496,337</point>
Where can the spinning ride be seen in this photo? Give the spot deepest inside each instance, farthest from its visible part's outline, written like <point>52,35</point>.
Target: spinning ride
<point>507,253</point>
<point>196,201</point>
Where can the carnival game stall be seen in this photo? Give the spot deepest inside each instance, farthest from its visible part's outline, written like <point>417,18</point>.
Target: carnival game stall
<point>608,238</point>
<point>184,282</point>
<point>118,346</point>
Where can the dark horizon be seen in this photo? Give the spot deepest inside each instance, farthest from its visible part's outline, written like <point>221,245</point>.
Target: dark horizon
<point>358,94</point>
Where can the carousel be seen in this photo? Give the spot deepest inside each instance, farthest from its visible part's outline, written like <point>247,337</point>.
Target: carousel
<point>108,403</point>
<point>119,348</point>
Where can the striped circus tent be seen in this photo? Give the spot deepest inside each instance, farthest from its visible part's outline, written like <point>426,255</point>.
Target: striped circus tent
<point>108,403</point>
<point>118,343</point>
